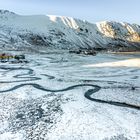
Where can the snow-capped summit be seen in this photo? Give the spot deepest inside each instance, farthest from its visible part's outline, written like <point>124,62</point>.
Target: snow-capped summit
<point>6,12</point>
<point>66,32</point>
<point>126,31</point>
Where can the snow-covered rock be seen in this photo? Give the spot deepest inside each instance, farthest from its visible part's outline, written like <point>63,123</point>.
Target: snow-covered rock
<point>18,31</point>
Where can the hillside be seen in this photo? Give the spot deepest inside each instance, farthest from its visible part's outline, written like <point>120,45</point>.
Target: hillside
<point>21,32</point>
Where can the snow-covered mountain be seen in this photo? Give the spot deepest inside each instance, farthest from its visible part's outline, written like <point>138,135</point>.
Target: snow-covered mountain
<point>18,31</point>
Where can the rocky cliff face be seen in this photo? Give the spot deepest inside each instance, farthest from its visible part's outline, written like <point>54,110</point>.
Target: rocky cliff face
<point>63,32</point>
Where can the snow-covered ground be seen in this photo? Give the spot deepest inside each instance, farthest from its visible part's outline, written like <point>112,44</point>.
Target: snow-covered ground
<point>65,96</point>
<point>41,100</point>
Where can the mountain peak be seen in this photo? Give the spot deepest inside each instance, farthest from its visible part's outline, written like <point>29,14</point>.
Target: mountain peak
<point>69,32</point>
<point>3,12</point>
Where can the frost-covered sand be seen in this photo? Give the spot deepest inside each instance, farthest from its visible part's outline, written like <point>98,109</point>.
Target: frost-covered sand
<point>29,112</point>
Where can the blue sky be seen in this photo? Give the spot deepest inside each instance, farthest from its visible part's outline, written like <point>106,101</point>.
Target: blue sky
<point>91,10</point>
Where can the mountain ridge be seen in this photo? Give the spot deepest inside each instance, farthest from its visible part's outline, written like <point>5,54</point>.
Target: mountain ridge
<point>66,32</point>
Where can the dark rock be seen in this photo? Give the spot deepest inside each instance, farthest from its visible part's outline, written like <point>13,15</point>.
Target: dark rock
<point>19,116</point>
<point>19,57</point>
<point>133,88</point>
